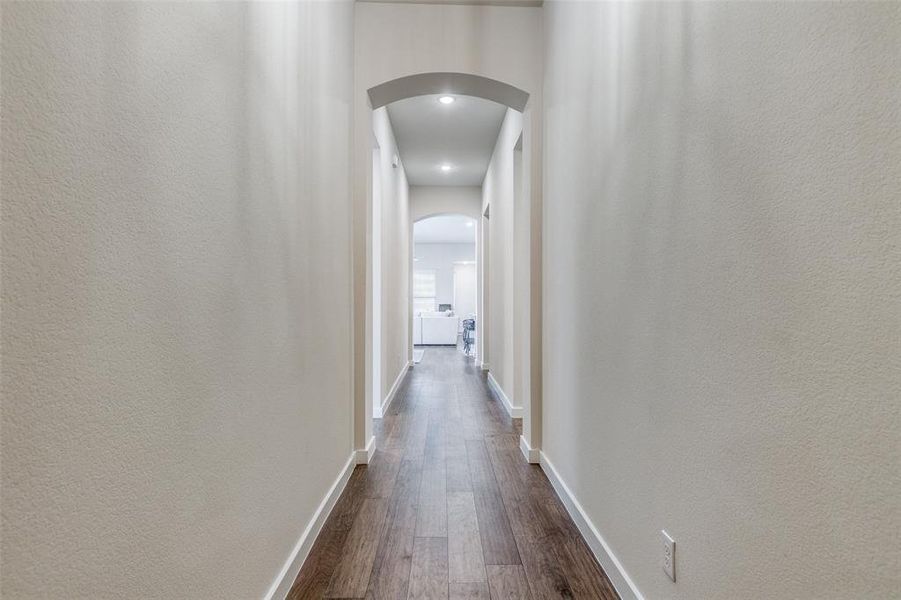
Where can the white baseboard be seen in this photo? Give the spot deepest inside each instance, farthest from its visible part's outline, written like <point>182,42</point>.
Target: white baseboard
<point>624,585</point>
<point>532,455</point>
<point>379,411</point>
<point>285,579</point>
<point>515,412</point>
<point>364,456</point>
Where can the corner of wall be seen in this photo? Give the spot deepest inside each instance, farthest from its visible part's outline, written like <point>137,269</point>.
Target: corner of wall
<point>291,569</point>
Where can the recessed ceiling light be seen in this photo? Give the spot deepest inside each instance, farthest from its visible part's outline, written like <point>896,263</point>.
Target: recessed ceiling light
<point>445,168</point>
<point>446,99</point>
<point>469,223</point>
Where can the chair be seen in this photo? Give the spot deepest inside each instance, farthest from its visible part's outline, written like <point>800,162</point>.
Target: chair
<point>469,325</point>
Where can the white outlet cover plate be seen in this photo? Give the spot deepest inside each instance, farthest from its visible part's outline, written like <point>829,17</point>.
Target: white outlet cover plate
<point>669,554</point>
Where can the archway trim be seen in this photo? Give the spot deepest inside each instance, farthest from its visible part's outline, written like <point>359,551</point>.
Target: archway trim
<point>465,84</point>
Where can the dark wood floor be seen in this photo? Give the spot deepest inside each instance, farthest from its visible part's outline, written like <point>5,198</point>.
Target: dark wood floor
<point>449,508</point>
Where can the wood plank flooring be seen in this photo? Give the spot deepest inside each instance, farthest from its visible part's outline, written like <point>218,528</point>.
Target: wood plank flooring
<point>449,509</point>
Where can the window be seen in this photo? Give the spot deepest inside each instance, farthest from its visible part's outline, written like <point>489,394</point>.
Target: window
<point>424,291</point>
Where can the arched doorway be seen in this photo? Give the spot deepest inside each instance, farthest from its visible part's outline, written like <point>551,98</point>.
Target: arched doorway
<point>367,402</point>
<point>463,84</point>
<point>444,293</point>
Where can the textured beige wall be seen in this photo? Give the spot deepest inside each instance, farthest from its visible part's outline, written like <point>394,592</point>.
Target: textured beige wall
<point>723,293</point>
<point>176,394</point>
<point>396,257</point>
<point>428,200</point>
<point>498,192</point>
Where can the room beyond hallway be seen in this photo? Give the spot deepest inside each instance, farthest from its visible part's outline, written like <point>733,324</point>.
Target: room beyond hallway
<point>445,280</point>
<point>448,508</point>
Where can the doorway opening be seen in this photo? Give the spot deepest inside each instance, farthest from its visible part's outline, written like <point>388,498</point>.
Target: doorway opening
<point>374,282</point>
<point>444,293</point>
<point>453,174</point>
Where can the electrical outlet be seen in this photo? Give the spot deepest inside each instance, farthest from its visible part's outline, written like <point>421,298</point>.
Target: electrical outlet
<point>669,554</point>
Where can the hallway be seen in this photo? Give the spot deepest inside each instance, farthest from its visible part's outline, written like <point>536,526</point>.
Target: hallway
<point>672,231</point>
<point>448,508</point>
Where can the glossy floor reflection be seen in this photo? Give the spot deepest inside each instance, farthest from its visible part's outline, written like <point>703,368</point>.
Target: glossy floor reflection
<point>449,508</point>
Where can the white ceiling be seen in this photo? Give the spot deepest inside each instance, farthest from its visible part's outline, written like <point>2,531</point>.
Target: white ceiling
<point>461,134</point>
<point>446,229</point>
